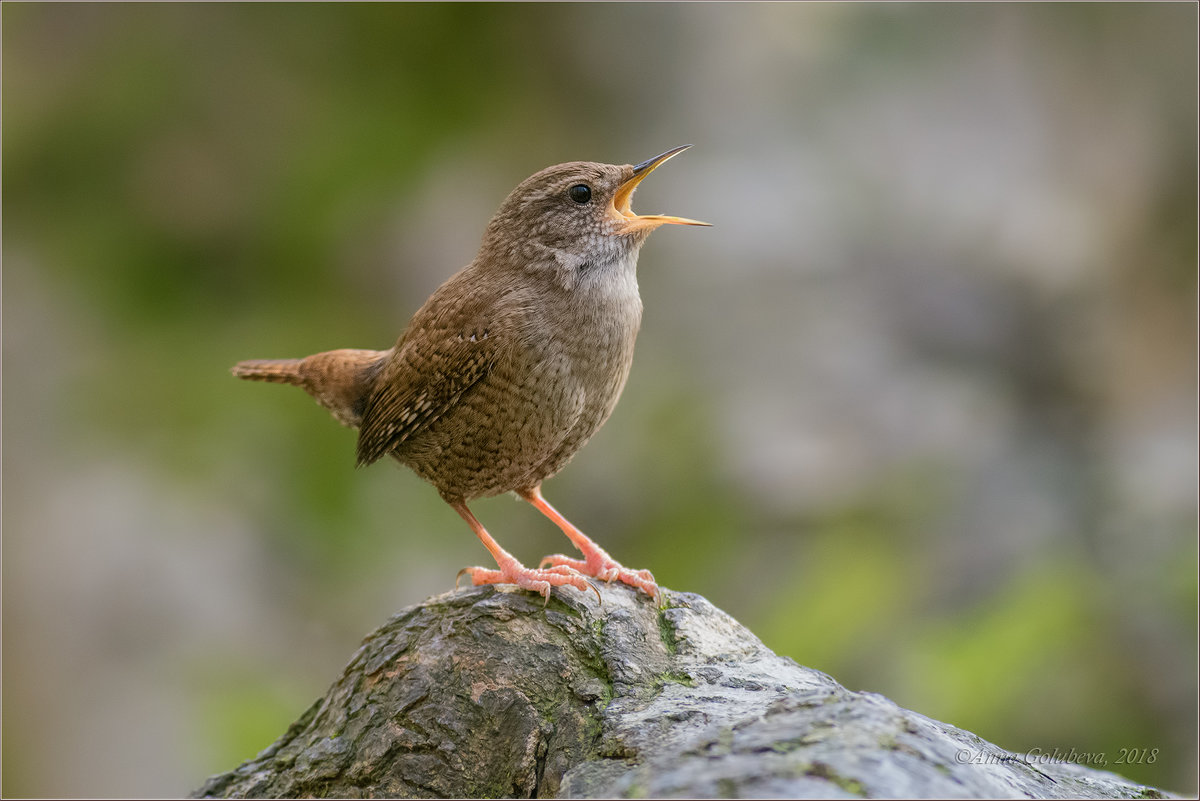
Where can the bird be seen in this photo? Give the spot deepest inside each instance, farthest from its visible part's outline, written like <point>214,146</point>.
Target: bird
<point>511,365</point>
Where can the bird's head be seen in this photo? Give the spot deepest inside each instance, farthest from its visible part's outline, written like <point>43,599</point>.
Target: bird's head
<point>577,216</point>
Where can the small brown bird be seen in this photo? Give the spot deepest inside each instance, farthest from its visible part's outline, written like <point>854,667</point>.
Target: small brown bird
<point>512,364</point>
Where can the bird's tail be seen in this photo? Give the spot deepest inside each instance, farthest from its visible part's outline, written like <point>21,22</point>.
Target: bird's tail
<point>340,380</point>
<point>278,371</point>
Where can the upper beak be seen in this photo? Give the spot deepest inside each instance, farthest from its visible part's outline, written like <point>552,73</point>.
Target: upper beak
<point>624,196</point>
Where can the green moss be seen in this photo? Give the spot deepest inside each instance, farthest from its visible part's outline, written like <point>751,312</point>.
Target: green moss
<point>673,677</point>
<point>666,633</point>
<point>559,605</point>
<point>593,728</point>
<point>823,771</point>
<point>852,786</point>
<point>788,746</point>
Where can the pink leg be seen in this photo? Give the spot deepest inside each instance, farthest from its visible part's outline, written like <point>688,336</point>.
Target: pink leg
<point>513,572</point>
<point>595,561</point>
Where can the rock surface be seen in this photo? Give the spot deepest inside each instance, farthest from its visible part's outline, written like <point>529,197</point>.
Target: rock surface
<point>483,693</point>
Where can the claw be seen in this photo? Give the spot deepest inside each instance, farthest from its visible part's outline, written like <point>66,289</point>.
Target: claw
<point>603,567</point>
<point>596,562</point>
<point>510,570</point>
<point>459,575</point>
<point>540,581</point>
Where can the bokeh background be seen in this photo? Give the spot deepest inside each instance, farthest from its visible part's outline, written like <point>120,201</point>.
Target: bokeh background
<point>920,409</point>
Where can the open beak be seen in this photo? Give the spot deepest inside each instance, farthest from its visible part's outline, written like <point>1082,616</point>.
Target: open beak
<point>624,197</point>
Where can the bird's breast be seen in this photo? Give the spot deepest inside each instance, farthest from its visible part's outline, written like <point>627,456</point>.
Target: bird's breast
<point>602,320</point>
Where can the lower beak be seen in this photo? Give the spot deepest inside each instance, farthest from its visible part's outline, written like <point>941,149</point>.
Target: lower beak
<point>624,196</point>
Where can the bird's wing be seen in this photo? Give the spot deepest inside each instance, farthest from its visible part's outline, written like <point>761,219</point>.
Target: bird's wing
<point>428,372</point>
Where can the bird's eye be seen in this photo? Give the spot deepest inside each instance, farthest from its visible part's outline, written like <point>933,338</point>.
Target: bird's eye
<point>580,193</point>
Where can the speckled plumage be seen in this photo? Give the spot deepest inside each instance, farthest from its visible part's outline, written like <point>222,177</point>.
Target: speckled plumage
<point>512,364</point>
<point>480,396</point>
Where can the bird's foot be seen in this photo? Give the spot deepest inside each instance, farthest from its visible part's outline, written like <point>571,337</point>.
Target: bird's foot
<point>602,566</point>
<point>540,580</point>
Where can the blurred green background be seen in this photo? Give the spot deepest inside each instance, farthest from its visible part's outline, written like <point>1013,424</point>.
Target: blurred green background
<point>920,409</point>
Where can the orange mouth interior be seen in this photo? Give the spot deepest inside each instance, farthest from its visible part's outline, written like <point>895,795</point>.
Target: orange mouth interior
<point>623,199</point>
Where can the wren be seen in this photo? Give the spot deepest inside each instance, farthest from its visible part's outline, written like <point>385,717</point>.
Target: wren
<point>512,364</point>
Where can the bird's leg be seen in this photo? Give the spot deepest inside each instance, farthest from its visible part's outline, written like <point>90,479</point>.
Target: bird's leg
<point>511,571</point>
<point>595,562</point>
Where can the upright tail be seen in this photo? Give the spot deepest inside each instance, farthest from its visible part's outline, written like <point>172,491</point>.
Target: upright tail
<point>340,380</point>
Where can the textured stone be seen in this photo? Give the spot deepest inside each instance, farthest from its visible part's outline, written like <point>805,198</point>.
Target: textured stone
<point>483,693</point>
